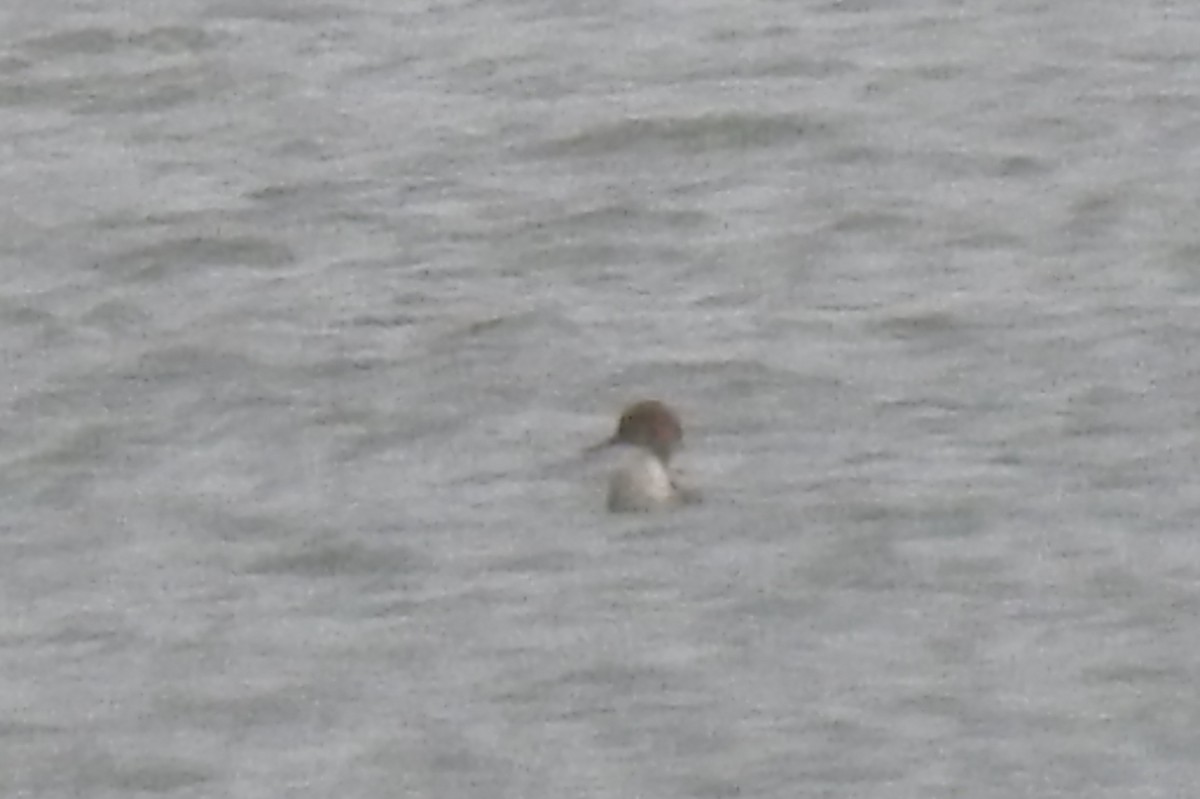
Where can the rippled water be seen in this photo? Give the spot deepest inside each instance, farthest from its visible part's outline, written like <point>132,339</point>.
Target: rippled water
<point>308,310</point>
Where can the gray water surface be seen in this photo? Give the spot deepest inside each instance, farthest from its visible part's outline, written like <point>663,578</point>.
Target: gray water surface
<point>308,310</point>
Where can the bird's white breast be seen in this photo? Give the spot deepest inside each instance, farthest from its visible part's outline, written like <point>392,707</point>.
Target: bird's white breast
<point>641,484</point>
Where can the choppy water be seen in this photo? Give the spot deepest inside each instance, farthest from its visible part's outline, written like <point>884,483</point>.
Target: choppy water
<point>307,310</point>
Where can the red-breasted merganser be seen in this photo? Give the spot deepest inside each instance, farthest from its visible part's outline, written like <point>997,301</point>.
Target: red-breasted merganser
<point>644,482</point>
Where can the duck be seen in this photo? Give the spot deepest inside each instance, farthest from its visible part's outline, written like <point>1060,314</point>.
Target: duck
<point>644,482</point>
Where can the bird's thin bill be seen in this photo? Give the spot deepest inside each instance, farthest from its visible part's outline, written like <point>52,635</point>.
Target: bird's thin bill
<point>599,446</point>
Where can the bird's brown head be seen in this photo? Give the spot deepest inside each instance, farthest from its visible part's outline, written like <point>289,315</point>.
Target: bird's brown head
<point>650,424</point>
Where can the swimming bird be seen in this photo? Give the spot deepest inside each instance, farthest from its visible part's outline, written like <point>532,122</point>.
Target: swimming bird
<point>644,482</point>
